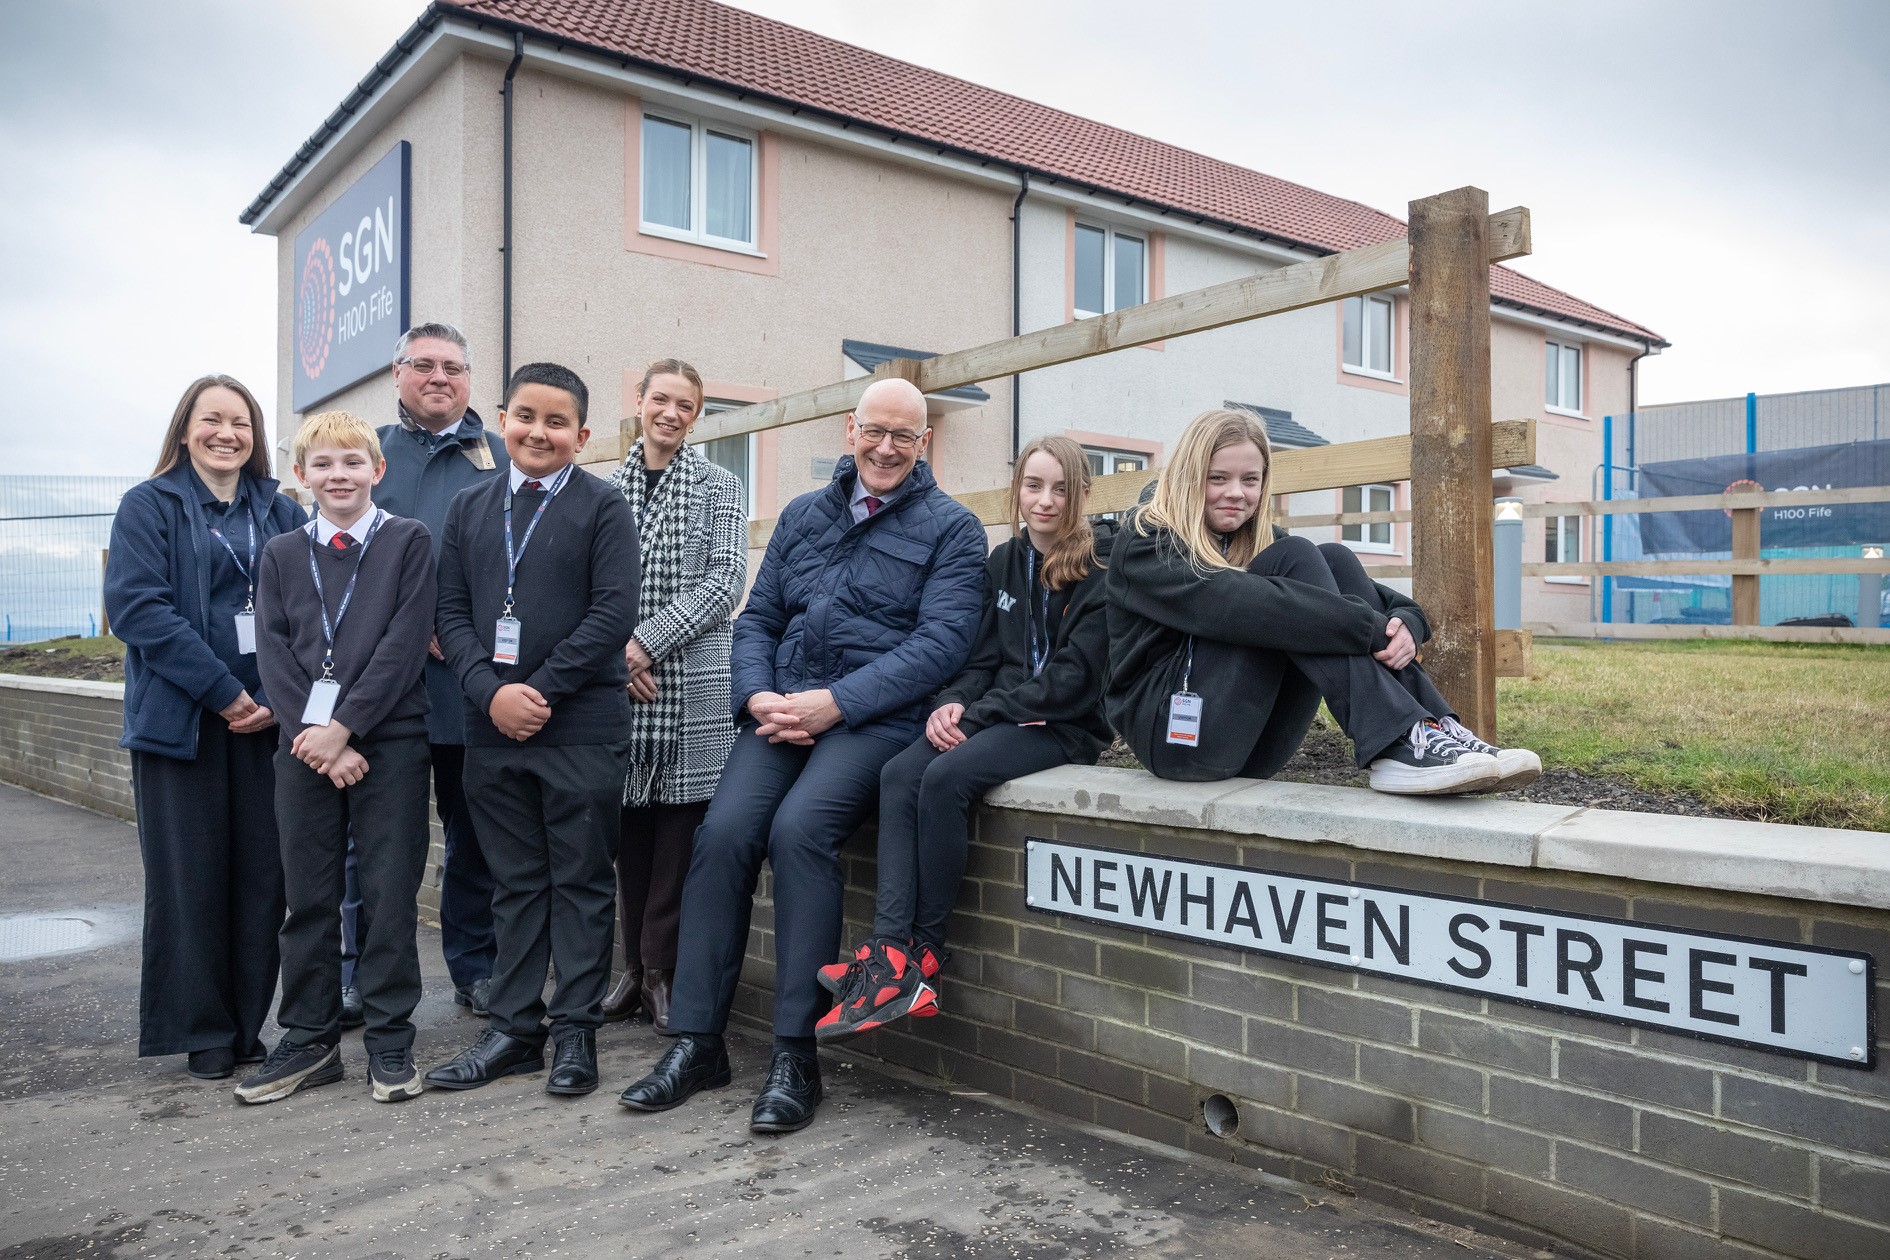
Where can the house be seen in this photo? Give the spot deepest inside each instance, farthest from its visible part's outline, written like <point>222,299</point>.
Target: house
<point>784,210</point>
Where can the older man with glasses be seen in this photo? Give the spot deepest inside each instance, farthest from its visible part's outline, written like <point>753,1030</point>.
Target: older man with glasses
<point>439,447</point>
<point>865,604</point>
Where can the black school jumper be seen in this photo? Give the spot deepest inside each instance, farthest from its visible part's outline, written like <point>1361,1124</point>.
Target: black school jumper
<point>546,808</point>
<point>1299,622</point>
<point>925,796</point>
<point>379,657</point>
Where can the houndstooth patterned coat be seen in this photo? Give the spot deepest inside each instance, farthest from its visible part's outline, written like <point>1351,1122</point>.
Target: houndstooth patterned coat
<point>693,537</point>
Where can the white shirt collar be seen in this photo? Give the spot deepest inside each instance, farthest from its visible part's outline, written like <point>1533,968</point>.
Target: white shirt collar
<point>449,430</point>
<point>553,483</point>
<point>857,504</point>
<point>325,530</point>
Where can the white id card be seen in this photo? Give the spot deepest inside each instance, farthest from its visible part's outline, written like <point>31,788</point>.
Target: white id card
<point>505,642</point>
<point>245,632</point>
<point>321,702</point>
<point>1184,719</point>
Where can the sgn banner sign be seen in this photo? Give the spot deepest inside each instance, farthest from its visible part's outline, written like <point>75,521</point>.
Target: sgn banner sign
<point>351,283</point>
<point>1771,995</point>
<point>1804,468</point>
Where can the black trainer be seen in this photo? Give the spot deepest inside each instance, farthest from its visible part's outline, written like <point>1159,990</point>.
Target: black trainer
<point>1428,762</point>
<point>1520,766</point>
<point>289,1069</point>
<point>395,1077</point>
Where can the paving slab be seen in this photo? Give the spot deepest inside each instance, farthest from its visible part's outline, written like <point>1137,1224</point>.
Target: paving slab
<point>103,1154</point>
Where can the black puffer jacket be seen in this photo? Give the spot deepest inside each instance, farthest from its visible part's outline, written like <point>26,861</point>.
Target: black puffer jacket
<point>997,685</point>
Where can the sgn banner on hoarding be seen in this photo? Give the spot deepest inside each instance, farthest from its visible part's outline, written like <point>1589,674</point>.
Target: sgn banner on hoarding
<point>350,278</point>
<point>1805,468</point>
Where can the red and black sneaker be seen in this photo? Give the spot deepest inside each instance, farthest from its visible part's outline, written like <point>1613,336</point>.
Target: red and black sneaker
<point>889,985</point>
<point>836,978</point>
<point>931,962</point>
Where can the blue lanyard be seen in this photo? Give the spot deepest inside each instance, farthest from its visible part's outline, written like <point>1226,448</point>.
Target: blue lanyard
<point>513,557</point>
<point>1037,655</point>
<point>331,629</point>
<point>248,571</point>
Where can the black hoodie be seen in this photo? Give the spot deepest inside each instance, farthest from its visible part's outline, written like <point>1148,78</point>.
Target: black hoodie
<point>997,685</point>
<point>1157,598</point>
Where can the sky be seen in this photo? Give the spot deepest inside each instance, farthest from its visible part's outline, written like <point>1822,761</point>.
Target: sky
<point>1712,169</point>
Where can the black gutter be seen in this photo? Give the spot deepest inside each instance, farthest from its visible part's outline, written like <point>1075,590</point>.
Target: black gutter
<point>1017,307</point>
<point>505,246</point>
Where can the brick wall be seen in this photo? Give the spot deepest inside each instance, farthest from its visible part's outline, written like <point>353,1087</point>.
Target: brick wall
<point>1548,1127</point>
<point>60,738</point>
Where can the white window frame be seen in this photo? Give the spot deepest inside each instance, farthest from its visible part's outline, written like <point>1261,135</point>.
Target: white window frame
<point>698,233</point>
<point>711,406</point>
<point>1112,458</point>
<point>1109,268</point>
<point>1364,541</point>
<point>1364,338</point>
<point>1563,529</point>
<point>1558,405</point>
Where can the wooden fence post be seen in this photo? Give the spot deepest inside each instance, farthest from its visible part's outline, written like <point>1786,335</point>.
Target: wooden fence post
<point>1452,560</point>
<point>1745,546</point>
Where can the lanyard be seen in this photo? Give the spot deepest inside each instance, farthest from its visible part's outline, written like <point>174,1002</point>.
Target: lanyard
<point>1038,655</point>
<point>513,557</point>
<point>331,629</point>
<point>248,571</point>
<point>1187,670</point>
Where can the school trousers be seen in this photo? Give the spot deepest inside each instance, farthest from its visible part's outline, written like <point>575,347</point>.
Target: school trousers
<point>546,816</point>
<point>386,813</point>
<point>653,844</point>
<point>925,802</point>
<point>1263,700</point>
<point>791,806</point>
<point>212,892</point>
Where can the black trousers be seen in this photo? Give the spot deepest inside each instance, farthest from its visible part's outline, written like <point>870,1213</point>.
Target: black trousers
<point>386,813</point>
<point>1258,703</point>
<point>653,843</point>
<point>212,892</point>
<point>792,806</point>
<point>925,800</point>
<point>547,822</point>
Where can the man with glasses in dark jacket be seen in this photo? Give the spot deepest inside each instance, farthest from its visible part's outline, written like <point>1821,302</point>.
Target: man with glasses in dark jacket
<point>865,604</point>
<point>439,447</point>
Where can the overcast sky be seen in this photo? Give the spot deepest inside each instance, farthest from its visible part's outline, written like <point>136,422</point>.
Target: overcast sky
<point>1714,169</point>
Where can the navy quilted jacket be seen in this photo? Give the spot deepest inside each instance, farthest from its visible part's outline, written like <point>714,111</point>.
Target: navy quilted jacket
<point>883,612</point>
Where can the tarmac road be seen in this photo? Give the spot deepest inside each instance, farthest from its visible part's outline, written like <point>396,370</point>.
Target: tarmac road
<point>103,1154</point>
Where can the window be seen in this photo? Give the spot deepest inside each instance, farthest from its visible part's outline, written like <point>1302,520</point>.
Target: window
<point>1103,462</point>
<point>1562,376</point>
<point>1377,535</point>
<point>1111,270</point>
<point>1562,544</point>
<point>698,183</point>
<point>1368,334</point>
<point>737,454</point>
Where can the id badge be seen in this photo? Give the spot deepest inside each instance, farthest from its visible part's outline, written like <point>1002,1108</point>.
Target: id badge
<point>1184,719</point>
<point>245,632</point>
<point>505,642</point>
<point>321,702</point>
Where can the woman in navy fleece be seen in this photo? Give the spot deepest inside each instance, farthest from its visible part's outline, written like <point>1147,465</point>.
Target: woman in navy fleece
<point>179,592</point>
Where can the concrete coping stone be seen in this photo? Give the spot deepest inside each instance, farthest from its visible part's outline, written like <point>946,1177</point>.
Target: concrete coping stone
<point>1825,864</point>
<point>65,686</point>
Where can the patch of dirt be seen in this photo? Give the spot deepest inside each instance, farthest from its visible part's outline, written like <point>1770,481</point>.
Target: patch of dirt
<point>42,661</point>
<point>1326,757</point>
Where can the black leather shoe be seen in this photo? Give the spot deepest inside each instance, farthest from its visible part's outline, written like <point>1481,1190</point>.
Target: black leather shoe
<point>486,1060</point>
<point>475,995</point>
<point>691,1064</point>
<point>655,998</point>
<point>573,1062</point>
<point>625,997</point>
<point>353,1010</point>
<point>789,1096</point>
<point>213,1064</point>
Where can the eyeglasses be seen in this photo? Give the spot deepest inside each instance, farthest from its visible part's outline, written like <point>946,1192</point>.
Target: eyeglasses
<point>902,439</point>
<point>427,367</point>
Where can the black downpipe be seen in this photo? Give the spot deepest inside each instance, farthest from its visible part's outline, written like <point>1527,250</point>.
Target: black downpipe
<point>1017,308</point>
<point>505,248</point>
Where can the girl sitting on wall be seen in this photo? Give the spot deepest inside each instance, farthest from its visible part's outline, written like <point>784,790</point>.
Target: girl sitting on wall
<point>1029,698</point>
<point>1225,632</point>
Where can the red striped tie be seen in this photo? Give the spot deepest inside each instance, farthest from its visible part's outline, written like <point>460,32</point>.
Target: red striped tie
<point>342,541</point>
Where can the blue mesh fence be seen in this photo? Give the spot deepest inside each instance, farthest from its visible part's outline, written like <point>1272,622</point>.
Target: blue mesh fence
<point>1684,448</point>
<point>53,535</point>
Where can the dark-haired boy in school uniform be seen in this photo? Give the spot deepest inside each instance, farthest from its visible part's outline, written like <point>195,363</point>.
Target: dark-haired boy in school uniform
<point>538,595</point>
<point>345,609</point>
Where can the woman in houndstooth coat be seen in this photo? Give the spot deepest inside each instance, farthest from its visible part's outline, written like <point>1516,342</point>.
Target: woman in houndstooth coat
<point>692,528</point>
